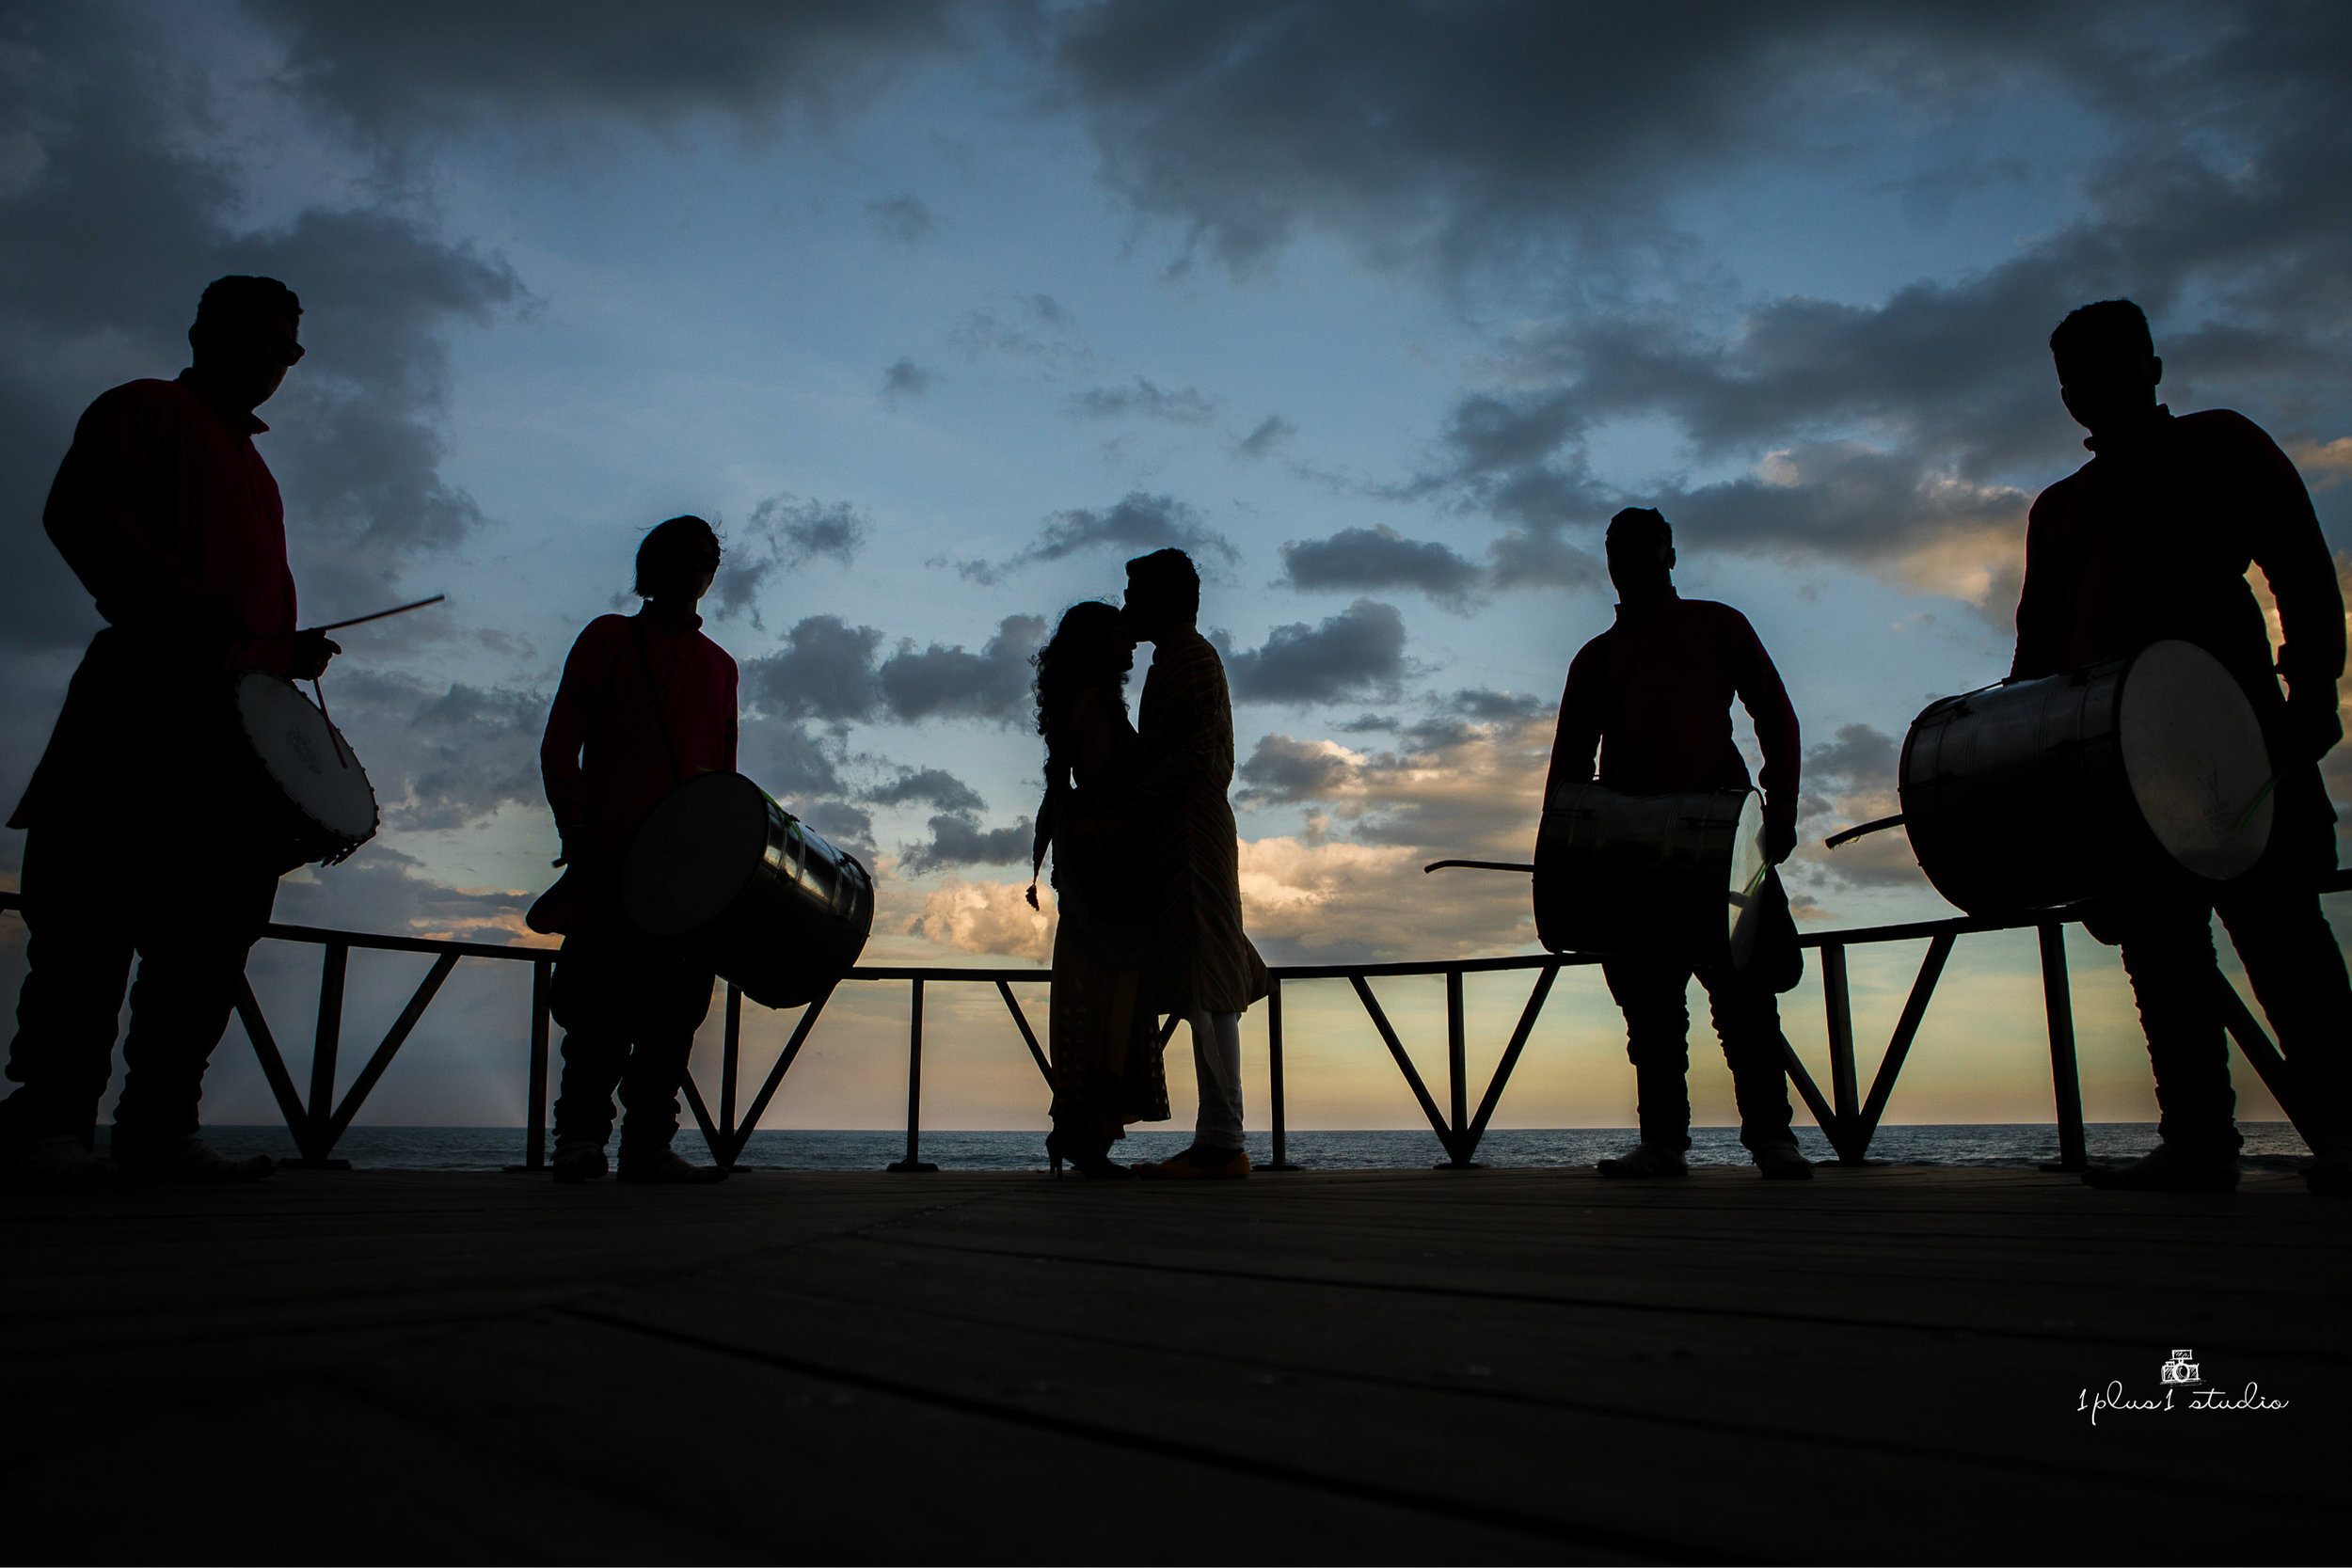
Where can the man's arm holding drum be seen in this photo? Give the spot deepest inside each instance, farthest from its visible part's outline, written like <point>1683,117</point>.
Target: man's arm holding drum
<point>2295,560</point>
<point>1766,698</point>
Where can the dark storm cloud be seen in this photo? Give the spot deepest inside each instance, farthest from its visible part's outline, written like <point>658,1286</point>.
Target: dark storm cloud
<point>902,220</point>
<point>1861,757</point>
<point>784,533</point>
<point>113,217</point>
<point>798,766</point>
<point>1488,706</point>
<point>1282,769</point>
<point>1268,435</point>
<point>931,786</point>
<point>1361,649</point>
<point>1375,557</point>
<point>396,67</point>
<point>1135,524</point>
<point>441,757</point>
<point>1178,405</point>
<point>955,841</point>
<point>945,682</point>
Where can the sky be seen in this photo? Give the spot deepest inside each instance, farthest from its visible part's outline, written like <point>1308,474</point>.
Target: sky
<point>942,312</point>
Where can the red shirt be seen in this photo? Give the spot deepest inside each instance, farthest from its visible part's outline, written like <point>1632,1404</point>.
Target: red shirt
<point>1654,693</point>
<point>2151,539</point>
<point>605,759</point>
<point>168,514</point>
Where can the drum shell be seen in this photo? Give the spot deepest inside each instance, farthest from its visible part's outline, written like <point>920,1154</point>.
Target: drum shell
<point>799,920</point>
<point>1637,873</point>
<point>2018,796</point>
<point>255,807</point>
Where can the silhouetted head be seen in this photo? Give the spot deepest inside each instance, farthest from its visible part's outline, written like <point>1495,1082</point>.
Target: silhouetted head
<point>1641,546</point>
<point>676,562</point>
<point>2108,368</point>
<point>1163,594</point>
<point>1092,647</point>
<point>246,336</point>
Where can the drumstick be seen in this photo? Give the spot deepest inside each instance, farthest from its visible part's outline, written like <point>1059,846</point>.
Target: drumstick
<point>2255,804</point>
<point>1476,865</point>
<point>355,621</point>
<point>1852,833</point>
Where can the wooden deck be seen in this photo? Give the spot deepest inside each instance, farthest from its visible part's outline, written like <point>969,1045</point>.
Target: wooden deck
<point>1382,1365</point>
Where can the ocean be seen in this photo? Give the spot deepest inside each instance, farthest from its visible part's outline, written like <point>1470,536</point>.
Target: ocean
<point>2269,1145</point>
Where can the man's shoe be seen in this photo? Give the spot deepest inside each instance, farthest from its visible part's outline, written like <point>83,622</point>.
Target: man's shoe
<point>668,1166</point>
<point>1646,1160</point>
<point>2167,1168</point>
<point>2330,1175</point>
<point>56,1162</point>
<point>188,1159</point>
<point>1198,1163</point>
<point>577,1163</point>
<point>1782,1163</point>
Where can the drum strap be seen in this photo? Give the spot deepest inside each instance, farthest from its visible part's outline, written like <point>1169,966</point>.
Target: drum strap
<point>653,690</point>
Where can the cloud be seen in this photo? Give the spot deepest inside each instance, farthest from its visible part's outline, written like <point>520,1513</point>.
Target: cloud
<point>1181,406</point>
<point>398,68</point>
<point>1033,328</point>
<point>956,841</point>
<point>1135,524</point>
<point>783,534</point>
<point>380,889</point>
<point>1266,436</point>
<point>902,220</point>
<point>1280,768</point>
<point>932,786</point>
<point>990,918</point>
<point>907,379</point>
<point>1848,780</point>
<point>945,682</point>
<point>1361,649</point>
<point>1377,558</point>
<point>442,757</point>
<point>825,670</point>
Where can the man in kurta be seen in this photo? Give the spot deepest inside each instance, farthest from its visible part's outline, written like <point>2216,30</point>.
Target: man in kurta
<point>172,521</point>
<point>1204,968</point>
<point>2153,539</point>
<point>1654,693</point>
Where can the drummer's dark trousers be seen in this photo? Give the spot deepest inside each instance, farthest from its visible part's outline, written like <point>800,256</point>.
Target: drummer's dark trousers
<point>1746,1015</point>
<point>629,1010</point>
<point>91,902</point>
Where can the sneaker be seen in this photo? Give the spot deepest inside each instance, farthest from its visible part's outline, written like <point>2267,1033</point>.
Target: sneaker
<point>1782,1163</point>
<point>2330,1175</point>
<point>1647,1159</point>
<point>2167,1168</point>
<point>666,1165</point>
<point>56,1161</point>
<point>581,1161</point>
<point>1198,1163</point>
<point>188,1159</point>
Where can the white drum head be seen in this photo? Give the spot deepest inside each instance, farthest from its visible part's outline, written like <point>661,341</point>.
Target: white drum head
<point>2194,753</point>
<point>694,854</point>
<point>300,749</point>
<point>1747,878</point>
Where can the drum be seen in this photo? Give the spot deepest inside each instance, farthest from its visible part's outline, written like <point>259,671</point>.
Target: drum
<point>303,794</point>
<point>722,868</point>
<point>1670,876</point>
<point>2131,775</point>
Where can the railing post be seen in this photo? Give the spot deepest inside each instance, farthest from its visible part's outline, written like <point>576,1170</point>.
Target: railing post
<point>1457,1145</point>
<point>730,1057</point>
<point>535,1139</point>
<point>2059,1004</point>
<point>914,1161</point>
<point>324,1044</point>
<point>1274,1072</point>
<point>1845,1093</point>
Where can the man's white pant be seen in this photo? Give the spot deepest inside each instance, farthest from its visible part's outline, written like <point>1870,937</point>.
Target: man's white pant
<point>1217,1068</point>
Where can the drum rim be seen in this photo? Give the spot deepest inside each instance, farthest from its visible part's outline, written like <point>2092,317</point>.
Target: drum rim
<point>346,843</point>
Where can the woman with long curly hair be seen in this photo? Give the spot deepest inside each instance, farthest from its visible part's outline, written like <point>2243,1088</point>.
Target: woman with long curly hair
<point>1106,1066</point>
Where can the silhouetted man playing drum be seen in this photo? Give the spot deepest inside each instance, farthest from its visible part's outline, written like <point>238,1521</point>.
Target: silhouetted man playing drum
<point>1654,693</point>
<point>646,703</point>
<point>172,521</point>
<point>1204,969</point>
<point>2151,540</point>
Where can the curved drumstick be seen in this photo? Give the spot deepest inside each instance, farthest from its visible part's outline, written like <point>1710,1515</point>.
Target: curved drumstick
<point>355,621</point>
<point>1852,833</point>
<point>1476,865</point>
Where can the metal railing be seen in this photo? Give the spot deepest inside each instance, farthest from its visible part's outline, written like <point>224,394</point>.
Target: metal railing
<point>1846,1118</point>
